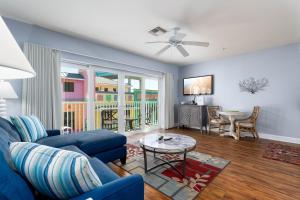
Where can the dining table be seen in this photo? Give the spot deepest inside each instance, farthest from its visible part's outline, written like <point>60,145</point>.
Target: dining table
<point>232,116</point>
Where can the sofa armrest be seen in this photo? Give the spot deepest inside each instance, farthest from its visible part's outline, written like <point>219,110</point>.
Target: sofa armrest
<point>125,188</point>
<point>53,132</point>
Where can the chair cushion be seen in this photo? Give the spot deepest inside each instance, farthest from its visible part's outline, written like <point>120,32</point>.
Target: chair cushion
<point>57,173</point>
<point>245,124</point>
<point>91,142</point>
<point>29,128</point>
<point>10,128</point>
<point>219,121</point>
<point>12,185</point>
<point>105,174</point>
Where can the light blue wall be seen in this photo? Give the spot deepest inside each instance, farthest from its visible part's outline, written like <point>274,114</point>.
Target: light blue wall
<point>29,33</point>
<point>280,102</point>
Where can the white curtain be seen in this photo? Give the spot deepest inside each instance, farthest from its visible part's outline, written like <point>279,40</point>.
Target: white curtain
<point>41,95</point>
<point>168,104</point>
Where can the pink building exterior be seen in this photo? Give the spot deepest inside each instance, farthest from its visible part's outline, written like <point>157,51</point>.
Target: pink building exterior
<point>78,93</point>
<point>80,88</point>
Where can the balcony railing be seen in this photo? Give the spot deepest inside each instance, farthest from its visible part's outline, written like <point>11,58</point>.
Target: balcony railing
<point>74,116</point>
<point>106,115</point>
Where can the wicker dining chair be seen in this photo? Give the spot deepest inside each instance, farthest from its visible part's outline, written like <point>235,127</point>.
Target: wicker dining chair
<point>248,124</point>
<point>215,120</point>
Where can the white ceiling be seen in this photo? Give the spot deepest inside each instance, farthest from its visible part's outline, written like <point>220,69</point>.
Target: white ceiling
<point>231,26</point>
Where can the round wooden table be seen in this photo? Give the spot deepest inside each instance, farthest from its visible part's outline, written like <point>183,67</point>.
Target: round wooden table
<point>232,115</point>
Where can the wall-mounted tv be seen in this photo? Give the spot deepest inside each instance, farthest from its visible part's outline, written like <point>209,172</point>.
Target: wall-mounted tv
<point>201,85</point>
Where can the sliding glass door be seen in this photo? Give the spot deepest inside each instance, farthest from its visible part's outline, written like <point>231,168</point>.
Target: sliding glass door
<point>74,79</point>
<point>98,98</point>
<point>106,100</point>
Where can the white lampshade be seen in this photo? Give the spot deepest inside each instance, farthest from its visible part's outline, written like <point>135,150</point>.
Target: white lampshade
<point>7,91</point>
<point>13,63</point>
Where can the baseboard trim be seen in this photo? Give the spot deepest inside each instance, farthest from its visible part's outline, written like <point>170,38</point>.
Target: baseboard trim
<point>279,138</point>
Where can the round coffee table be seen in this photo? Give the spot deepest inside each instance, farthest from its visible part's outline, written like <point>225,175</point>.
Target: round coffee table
<point>170,144</point>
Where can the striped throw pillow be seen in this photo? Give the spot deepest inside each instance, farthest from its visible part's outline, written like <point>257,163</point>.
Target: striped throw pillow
<point>29,127</point>
<point>56,173</point>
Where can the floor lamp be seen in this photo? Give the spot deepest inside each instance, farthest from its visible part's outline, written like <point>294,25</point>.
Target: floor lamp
<point>13,65</point>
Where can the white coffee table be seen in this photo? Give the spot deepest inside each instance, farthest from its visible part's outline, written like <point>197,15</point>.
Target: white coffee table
<point>178,144</point>
<point>232,115</point>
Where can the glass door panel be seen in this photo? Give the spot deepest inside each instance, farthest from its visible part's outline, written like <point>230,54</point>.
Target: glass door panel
<point>151,102</point>
<point>133,104</point>
<point>74,96</point>
<point>106,100</point>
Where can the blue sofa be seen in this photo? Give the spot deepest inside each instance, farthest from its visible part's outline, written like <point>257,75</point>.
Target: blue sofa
<point>100,147</point>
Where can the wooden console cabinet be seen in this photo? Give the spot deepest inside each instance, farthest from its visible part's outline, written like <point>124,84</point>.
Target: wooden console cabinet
<point>192,116</point>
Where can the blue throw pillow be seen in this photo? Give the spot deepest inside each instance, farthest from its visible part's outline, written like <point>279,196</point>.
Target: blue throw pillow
<point>56,173</point>
<point>29,127</point>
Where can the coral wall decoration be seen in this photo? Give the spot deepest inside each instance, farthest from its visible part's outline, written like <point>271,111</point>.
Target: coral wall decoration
<point>253,85</point>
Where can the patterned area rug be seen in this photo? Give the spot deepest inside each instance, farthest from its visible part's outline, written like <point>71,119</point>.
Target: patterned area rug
<point>284,153</point>
<point>200,171</point>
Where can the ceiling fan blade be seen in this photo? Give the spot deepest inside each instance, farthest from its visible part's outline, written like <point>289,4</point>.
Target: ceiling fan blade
<point>157,42</point>
<point>182,51</point>
<point>163,50</point>
<point>194,43</point>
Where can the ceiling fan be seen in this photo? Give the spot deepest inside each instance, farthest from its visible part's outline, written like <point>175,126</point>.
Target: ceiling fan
<point>176,40</point>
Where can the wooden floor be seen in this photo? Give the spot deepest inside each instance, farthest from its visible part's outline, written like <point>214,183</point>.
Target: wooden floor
<point>248,176</point>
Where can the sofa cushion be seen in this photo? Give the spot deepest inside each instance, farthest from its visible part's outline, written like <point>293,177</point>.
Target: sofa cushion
<point>60,140</point>
<point>75,149</point>
<point>12,185</point>
<point>91,142</point>
<point>103,141</point>
<point>54,172</point>
<point>5,140</point>
<point>10,128</point>
<point>29,128</point>
<point>105,174</point>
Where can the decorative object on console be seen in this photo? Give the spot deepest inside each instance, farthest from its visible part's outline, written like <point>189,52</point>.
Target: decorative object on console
<point>194,100</point>
<point>13,63</point>
<point>253,85</point>
<point>6,92</point>
<point>198,100</point>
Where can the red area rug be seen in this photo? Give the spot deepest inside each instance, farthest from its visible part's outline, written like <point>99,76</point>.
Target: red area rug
<point>283,153</point>
<point>199,175</point>
<point>201,169</point>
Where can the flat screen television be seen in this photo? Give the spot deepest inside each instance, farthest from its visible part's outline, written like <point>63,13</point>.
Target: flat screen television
<point>201,85</point>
